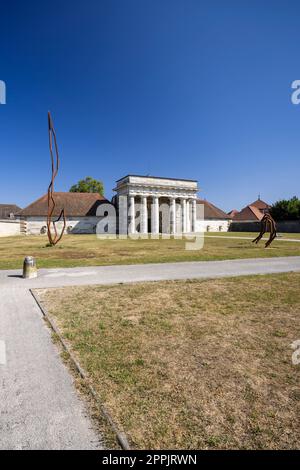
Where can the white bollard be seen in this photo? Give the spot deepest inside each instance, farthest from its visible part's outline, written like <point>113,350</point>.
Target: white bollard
<point>29,268</point>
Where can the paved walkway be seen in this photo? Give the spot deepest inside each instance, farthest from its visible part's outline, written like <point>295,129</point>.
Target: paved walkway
<point>150,272</point>
<point>40,408</point>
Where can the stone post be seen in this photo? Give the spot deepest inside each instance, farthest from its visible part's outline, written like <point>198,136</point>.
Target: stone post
<point>29,268</point>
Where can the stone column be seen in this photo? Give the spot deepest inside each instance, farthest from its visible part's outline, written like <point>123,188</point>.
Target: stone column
<point>194,215</point>
<point>144,215</point>
<point>123,215</point>
<point>188,222</point>
<point>131,226</point>
<point>173,215</point>
<point>183,214</point>
<point>155,215</point>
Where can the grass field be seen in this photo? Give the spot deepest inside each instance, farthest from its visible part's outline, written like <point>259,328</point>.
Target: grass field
<point>252,235</point>
<point>190,364</point>
<point>87,250</point>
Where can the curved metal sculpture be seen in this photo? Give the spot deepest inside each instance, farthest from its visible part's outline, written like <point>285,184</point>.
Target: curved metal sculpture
<point>266,221</point>
<point>53,239</point>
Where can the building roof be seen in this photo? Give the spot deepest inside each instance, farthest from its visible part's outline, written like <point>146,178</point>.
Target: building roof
<point>156,177</point>
<point>249,213</point>
<point>211,211</point>
<point>232,213</point>
<point>75,205</point>
<point>260,204</point>
<point>7,209</point>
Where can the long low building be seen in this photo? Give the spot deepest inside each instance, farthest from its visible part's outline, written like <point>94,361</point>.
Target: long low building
<point>80,209</point>
<point>214,220</point>
<point>142,204</point>
<point>9,222</point>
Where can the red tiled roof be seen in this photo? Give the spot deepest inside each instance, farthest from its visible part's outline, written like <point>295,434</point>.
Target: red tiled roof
<point>211,211</point>
<point>75,205</point>
<point>250,213</point>
<point>259,204</point>
<point>232,213</point>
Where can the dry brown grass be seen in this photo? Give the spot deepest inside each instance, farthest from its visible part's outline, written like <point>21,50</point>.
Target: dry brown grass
<point>191,364</point>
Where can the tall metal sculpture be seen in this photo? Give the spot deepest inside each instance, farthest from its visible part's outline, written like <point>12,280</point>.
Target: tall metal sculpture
<point>267,221</point>
<point>53,238</point>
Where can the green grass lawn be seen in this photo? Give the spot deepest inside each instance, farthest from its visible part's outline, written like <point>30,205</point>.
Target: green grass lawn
<point>87,250</point>
<point>190,364</point>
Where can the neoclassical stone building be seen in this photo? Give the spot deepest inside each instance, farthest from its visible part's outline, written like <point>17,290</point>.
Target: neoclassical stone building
<point>148,204</point>
<point>142,205</point>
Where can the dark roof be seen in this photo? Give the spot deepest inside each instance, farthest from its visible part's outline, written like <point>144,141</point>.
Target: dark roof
<point>157,177</point>
<point>7,209</point>
<point>259,204</point>
<point>250,213</point>
<point>75,205</point>
<point>211,211</point>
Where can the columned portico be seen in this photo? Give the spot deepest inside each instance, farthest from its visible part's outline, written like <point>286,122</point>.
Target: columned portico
<point>164,204</point>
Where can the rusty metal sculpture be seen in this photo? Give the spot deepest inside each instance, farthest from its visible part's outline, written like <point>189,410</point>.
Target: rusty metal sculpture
<point>53,239</point>
<point>267,221</point>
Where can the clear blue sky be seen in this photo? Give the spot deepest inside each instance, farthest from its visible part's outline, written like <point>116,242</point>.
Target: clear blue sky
<point>180,88</point>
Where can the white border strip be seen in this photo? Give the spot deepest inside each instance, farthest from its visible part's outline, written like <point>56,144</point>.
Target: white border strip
<point>2,352</point>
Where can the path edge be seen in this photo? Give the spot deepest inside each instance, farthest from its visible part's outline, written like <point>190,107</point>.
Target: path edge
<point>120,436</point>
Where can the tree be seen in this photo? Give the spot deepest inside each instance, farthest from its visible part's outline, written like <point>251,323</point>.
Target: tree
<point>88,185</point>
<point>286,209</point>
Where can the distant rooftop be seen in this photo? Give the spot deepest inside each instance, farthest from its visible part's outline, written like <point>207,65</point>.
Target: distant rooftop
<point>260,204</point>
<point>252,212</point>
<point>233,212</point>
<point>6,210</point>
<point>249,213</point>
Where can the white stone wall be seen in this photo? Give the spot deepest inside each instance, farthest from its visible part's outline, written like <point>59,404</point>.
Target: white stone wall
<point>75,224</point>
<point>9,228</point>
<point>212,225</point>
<point>88,225</point>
